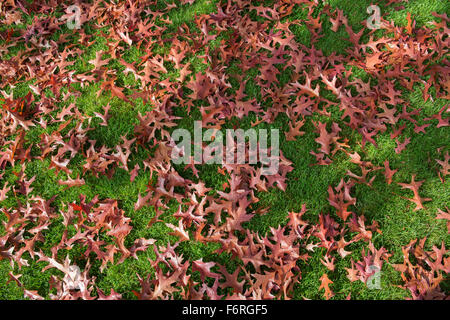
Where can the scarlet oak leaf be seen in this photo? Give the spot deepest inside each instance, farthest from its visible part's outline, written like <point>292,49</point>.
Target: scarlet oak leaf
<point>202,86</point>
<point>324,139</point>
<point>112,296</point>
<point>445,170</point>
<point>328,263</point>
<point>134,172</point>
<point>306,88</point>
<point>421,128</point>
<point>294,130</point>
<point>398,131</point>
<point>105,116</point>
<point>98,62</point>
<point>4,191</point>
<point>336,23</point>
<point>373,60</point>
<point>352,273</point>
<point>125,37</point>
<point>445,216</point>
<point>76,207</point>
<point>205,269</point>
<point>72,182</point>
<point>140,245</point>
<point>410,25</point>
<point>342,199</point>
<point>179,231</point>
<point>401,146</point>
<point>422,271</point>
<point>32,295</point>
<point>115,91</point>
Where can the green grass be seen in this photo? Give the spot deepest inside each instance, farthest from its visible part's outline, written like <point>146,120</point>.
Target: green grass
<point>306,184</point>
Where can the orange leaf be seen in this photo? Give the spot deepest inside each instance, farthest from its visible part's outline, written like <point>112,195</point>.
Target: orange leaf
<point>409,27</point>
<point>325,282</point>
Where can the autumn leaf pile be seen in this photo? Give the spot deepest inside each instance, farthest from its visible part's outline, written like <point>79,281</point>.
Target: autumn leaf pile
<point>247,35</point>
